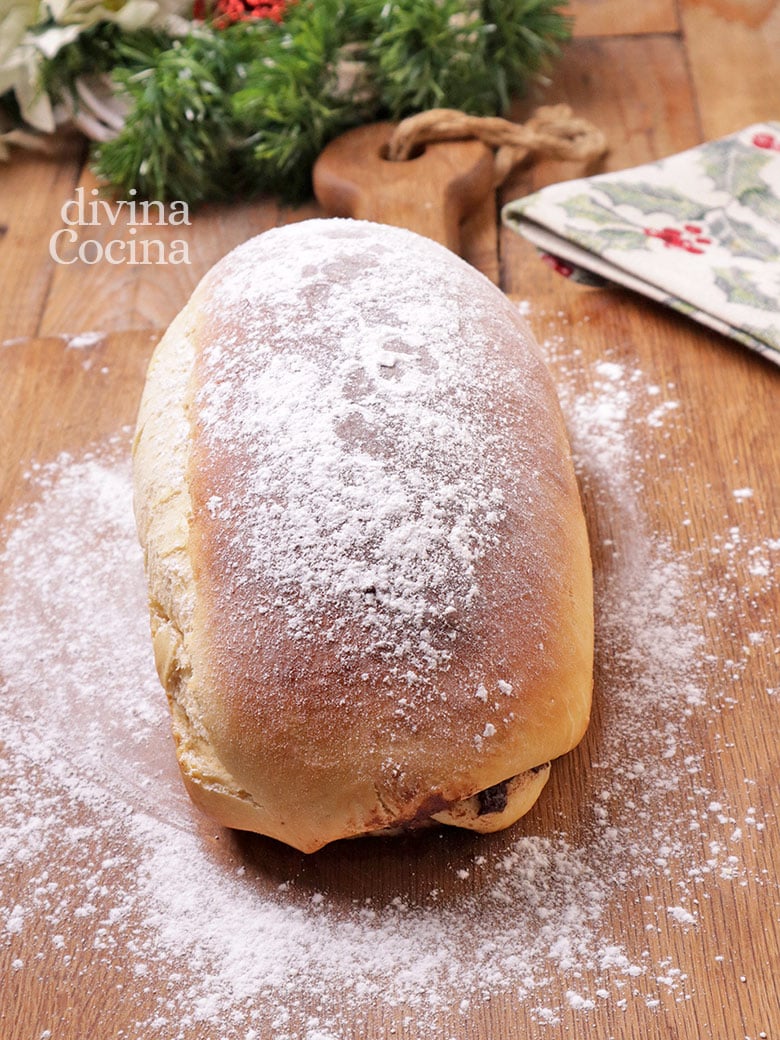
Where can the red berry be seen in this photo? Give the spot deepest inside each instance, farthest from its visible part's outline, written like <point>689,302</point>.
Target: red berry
<point>671,236</point>
<point>763,140</point>
<point>558,265</point>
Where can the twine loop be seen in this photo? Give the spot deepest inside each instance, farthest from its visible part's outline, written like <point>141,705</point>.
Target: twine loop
<point>552,132</point>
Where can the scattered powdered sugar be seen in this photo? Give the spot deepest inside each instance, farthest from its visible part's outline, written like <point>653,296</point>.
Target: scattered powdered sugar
<point>85,340</point>
<point>681,915</point>
<point>107,868</point>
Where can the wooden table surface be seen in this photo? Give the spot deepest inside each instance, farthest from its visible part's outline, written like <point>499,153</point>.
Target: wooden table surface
<point>657,76</point>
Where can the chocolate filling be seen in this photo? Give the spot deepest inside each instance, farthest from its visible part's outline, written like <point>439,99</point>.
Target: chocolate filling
<point>492,799</point>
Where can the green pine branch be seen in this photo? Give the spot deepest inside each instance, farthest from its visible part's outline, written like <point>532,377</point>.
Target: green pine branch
<point>248,108</point>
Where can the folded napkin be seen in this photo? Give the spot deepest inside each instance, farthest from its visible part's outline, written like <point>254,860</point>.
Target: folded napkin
<point>699,231</point>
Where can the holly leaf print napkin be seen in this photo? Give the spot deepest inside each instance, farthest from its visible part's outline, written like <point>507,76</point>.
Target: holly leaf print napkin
<point>698,231</point>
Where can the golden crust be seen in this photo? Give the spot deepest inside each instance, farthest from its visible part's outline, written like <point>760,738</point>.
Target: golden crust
<point>315,697</point>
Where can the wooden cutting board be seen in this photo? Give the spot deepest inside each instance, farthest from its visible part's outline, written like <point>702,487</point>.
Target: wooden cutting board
<point>432,193</point>
<point>716,936</point>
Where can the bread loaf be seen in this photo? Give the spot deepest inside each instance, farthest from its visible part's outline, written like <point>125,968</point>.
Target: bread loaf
<point>369,576</point>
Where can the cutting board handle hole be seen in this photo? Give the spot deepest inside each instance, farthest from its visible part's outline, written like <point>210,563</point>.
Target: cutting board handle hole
<point>416,153</point>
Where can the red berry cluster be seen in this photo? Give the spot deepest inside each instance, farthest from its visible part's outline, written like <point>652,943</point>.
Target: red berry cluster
<point>557,265</point>
<point>677,239</point>
<point>768,141</point>
<point>226,12</point>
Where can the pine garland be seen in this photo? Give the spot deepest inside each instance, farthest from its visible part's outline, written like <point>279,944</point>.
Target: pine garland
<point>180,138</point>
<point>223,113</point>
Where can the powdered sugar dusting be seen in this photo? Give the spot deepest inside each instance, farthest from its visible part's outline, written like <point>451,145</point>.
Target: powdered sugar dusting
<point>366,444</point>
<point>244,939</point>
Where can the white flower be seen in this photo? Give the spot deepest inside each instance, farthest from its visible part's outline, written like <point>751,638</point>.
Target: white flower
<point>27,37</point>
<point>19,62</point>
<point>130,14</point>
<point>15,18</point>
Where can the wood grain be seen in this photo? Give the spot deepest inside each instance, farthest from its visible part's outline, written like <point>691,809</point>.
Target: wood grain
<point>144,295</point>
<point>618,18</point>
<point>733,48</point>
<point>636,90</point>
<point>32,188</point>
<point>74,394</point>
